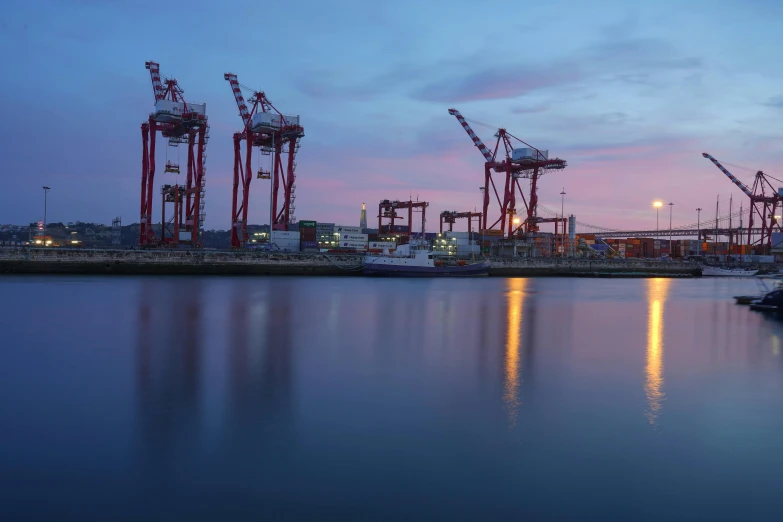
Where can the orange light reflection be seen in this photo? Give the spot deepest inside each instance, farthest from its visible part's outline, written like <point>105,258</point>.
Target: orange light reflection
<point>516,297</point>
<point>657,290</point>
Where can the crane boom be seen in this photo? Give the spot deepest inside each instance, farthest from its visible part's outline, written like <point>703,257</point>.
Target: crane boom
<point>157,85</point>
<point>243,110</point>
<point>737,182</point>
<point>476,140</point>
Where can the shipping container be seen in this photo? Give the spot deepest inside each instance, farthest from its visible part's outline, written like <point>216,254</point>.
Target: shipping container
<point>307,224</point>
<point>287,246</point>
<point>353,237</point>
<point>280,234</point>
<point>349,230</point>
<point>457,235</point>
<point>381,245</point>
<point>359,245</point>
<point>308,244</point>
<point>467,249</point>
<point>492,232</point>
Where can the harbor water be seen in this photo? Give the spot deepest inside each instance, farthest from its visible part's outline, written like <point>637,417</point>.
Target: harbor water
<point>295,398</point>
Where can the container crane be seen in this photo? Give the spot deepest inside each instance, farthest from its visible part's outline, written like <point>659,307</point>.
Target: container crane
<point>275,134</point>
<point>450,217</point>
<point>388,210</point>
<point>764,202</point>
<point>516,162</point>
<point>181,123</point>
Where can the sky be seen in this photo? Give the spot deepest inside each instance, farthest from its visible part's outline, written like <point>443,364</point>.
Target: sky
<point>629,95</point>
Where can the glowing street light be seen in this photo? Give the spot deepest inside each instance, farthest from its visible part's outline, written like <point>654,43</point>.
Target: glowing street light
<point>657,205</point>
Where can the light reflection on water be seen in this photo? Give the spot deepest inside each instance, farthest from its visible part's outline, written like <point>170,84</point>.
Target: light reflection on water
<point>516,297</point>
<point>330,398</point>
<point>656,295</point>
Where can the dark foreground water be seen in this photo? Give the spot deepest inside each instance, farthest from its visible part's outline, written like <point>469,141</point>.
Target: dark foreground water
<point>354,399</point>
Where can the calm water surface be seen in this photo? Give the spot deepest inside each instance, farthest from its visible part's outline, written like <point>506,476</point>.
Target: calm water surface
<point>355,399</point>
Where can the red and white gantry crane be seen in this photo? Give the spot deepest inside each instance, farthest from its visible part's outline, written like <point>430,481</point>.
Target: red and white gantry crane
<point>181,123</point>
<point>517,160</point>
<point>275,135</point>
<point>764,204</point>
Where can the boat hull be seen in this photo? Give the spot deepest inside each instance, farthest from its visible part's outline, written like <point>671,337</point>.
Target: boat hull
<point>474,270</point>
<point>723,272</point>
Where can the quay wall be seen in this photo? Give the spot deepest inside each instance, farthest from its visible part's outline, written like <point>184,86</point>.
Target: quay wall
<point>203,262</point>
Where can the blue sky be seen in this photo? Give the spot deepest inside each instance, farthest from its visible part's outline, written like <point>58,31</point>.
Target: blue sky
<point>629,94</point>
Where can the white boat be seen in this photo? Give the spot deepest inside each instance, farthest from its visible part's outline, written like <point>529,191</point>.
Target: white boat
<point>422,263</point>
<point>727,272</point>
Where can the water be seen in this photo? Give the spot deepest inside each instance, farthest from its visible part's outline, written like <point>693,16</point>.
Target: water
<point>355,399</point>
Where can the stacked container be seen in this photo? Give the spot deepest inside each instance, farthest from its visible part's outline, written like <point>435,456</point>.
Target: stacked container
<point>286,241</point>
<point>308,236</point>
<point>353,241</point>
<point>379,246</point>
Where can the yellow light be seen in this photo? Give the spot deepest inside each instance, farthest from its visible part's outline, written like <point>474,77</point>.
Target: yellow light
<point>657,204</point>
<point>75,242</point>
<point>37,241</point>
<point>516,221</point>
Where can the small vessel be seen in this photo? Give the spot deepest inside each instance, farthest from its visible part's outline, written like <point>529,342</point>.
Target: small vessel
<point>726,272</point>
<point>772,302</point>
<point>422,263</point>
<point>763,290</point>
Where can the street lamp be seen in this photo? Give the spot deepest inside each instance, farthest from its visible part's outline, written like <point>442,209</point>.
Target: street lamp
<point>671,249</point>
<point>515,221</point>
<point>46,190</point>
<point>562,216</point>
<point>657,205</point>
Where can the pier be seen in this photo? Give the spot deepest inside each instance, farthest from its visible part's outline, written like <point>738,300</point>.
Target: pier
<point>205,262</point>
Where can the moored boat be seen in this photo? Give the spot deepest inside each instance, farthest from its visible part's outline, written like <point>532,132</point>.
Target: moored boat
<point>422,263</point>
<point>772,302</point>
<point>726,272</point>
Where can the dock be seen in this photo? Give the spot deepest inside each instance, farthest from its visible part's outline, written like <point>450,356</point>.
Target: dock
<point>205,262</point>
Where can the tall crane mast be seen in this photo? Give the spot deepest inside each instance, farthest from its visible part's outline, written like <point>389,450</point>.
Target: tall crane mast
<point>275,135</point>
<point>764,202</point>
<point>516,163</point>
<point>181,124</point>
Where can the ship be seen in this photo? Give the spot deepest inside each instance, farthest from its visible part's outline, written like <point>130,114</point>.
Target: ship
<point>421,263</point>
<point>727,272</point>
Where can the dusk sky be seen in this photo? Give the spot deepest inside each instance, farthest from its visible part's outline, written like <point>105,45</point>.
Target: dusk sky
<point>630,95</point>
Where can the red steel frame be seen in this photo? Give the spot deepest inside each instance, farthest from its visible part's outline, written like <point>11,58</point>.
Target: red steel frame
<point>514,171</point>
<point>450,216</point>
<point>388,210</point>
<point>190,129</point>
<point>280,143</point>
<point>764,202</point>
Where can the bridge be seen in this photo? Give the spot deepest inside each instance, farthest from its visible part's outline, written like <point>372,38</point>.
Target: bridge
<point>677,232</point>
<point>706,227</point>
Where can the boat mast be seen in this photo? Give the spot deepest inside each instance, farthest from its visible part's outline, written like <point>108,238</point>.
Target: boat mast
<point>728,253</point>
<point>715,242</point>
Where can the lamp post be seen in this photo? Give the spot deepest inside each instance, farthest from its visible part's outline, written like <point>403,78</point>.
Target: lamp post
<point>482,225</point>
<point>671,248</point>
<point>657,205</point>
<point>515,221</point>
<point>46,190</point>
<point>562,216</point>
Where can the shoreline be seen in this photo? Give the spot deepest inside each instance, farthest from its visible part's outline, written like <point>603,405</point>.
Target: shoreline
<point>161,262</point>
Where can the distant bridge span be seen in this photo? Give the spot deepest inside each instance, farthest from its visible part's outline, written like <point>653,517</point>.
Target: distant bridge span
<point>679,232</point>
